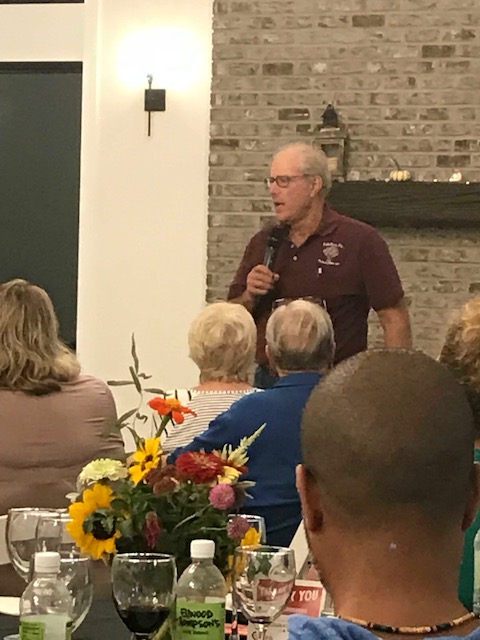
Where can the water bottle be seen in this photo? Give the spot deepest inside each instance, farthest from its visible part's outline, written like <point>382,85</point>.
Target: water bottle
<point>476,574</point>
<point>46,604</point>
<point>201,591</point>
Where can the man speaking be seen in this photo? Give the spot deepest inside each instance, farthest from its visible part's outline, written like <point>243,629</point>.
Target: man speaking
<point>314,252</point>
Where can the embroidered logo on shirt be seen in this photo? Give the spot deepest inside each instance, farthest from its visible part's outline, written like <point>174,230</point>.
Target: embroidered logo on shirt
<point>331,251</point>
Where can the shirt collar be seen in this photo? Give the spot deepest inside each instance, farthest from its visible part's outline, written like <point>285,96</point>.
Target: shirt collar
<point>301,379</point>
<point>329,221</point>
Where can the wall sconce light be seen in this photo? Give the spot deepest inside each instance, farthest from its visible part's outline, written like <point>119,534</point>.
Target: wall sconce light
<point>154,101</point>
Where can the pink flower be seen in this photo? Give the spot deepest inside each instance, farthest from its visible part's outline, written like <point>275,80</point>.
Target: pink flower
<point>153,529</point>
<point>237,528</point>
<point>222,496</point>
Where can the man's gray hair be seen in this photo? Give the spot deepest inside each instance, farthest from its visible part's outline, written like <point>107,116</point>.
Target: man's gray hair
<point>314,163</point>
<point>299,336</point>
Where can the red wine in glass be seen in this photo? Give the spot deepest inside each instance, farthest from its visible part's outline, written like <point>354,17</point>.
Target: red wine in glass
<point>143,621</point>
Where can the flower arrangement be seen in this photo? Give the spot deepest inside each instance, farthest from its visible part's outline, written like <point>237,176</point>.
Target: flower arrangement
<point>145,504</point>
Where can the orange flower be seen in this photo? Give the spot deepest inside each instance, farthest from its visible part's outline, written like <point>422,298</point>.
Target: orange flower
<point>170,407</point>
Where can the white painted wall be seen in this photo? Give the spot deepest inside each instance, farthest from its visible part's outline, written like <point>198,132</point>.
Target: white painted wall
<point>41,32</point>
<point>143,218</point>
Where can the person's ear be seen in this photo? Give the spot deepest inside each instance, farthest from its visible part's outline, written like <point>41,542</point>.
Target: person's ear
<point>317,185</point>
<point>310,498</point>
<point>473,503</point>
<point>271,361</point>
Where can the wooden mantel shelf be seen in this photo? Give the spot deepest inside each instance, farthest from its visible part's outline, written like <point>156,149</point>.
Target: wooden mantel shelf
<point>409,204</point>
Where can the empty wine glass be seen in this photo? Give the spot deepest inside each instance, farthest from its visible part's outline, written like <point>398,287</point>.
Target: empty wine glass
<point>263,580</point>
<point>143,586</point>
<point>75,572</point>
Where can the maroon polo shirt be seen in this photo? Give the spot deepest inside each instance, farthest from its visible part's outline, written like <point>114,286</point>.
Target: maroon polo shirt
<point>345,262</point>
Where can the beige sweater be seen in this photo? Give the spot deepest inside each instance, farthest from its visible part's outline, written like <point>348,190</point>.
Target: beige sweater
<point>45,442</point>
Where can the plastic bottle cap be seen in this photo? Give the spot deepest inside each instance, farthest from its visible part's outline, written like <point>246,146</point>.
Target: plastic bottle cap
<point>202,549</point>
<point>47,562</point>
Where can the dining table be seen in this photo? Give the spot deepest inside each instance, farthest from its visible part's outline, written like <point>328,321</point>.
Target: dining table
<point>102,623</point>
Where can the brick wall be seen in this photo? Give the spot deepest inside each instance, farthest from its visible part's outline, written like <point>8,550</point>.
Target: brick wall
<point>405,78</point>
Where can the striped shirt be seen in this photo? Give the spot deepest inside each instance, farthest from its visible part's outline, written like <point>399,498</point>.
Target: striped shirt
<point>207,405</point>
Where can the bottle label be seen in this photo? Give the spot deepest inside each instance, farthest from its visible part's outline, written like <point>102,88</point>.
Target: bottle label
<point>200,620</point>
<point>32,630</point>
<point>46,627</point>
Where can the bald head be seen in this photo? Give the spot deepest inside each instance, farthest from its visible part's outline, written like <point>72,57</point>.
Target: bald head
<point>386,432</point>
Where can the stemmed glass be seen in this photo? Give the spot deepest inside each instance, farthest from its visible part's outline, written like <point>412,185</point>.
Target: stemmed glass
<point>143,586</point>
<point>52,535</point>
<point>20,537</point>
<point>258,524</point>
<point>263,580</point>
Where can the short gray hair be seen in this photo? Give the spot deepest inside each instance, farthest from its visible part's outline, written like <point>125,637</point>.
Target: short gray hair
<point>222,341</point>
<point>299,336</point>
<point>314,162</point>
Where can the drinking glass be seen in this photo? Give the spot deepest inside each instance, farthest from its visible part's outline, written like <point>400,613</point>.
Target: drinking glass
<point>20,536</point>
<point>258,524</point>
<point>143,586</point>
<point>52,535</point>
<point>75,572</point>
<point>263,580</point>
<point>255,522</point>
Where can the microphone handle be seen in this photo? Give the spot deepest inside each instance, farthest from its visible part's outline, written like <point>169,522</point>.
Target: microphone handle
<point>269,257</point>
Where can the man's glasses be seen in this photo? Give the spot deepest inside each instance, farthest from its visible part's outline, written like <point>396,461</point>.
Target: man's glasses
<point>283,181</point>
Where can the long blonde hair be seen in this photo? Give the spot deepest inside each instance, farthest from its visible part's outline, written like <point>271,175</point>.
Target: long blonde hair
<point>33,359</point>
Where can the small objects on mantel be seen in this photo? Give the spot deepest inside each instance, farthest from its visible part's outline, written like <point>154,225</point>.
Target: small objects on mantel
<point>456,177</point>
<point>399,174</point>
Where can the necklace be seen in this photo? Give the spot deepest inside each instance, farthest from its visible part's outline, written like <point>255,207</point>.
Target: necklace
<point>435,628</point>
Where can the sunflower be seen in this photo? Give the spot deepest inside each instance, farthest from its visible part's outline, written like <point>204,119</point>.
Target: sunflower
<point>93,525</point>
<point>146,458</point>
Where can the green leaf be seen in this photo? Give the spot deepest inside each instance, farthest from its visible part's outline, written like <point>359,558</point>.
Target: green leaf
<point>135,379</point>
<point>119,383</point>
<point>141,417</point>
<point>160,392</point>
<point>126,416</point>
<point>134,354</point>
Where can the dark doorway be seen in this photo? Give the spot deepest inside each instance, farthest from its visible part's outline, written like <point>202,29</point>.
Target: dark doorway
<point>40,120</point>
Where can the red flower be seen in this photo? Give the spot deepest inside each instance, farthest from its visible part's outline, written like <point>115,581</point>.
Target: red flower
<point>170,407</point>
<point>199,466</point>
<point>153,528</point>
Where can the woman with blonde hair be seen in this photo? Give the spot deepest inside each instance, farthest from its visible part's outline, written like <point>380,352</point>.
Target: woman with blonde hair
<point>52,418</point>
<point>461,354</point>
<point>221,341</point>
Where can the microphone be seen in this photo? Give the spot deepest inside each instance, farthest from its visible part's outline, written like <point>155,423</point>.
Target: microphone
<point>277,234</point>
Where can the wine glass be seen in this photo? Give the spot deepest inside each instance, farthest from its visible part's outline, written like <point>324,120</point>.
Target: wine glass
<point>263,580</point>
<point>20,535</point>
<point>75,572</point>
<point>143,586</point>
<point>256,522</point>
<point>52,535</point>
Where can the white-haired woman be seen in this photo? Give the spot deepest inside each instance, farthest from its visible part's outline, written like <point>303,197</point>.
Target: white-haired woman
<point>221,341</point>
<point>52,418</point>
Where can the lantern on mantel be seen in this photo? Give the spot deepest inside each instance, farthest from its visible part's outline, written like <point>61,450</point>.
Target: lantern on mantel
<point>331,137</point>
